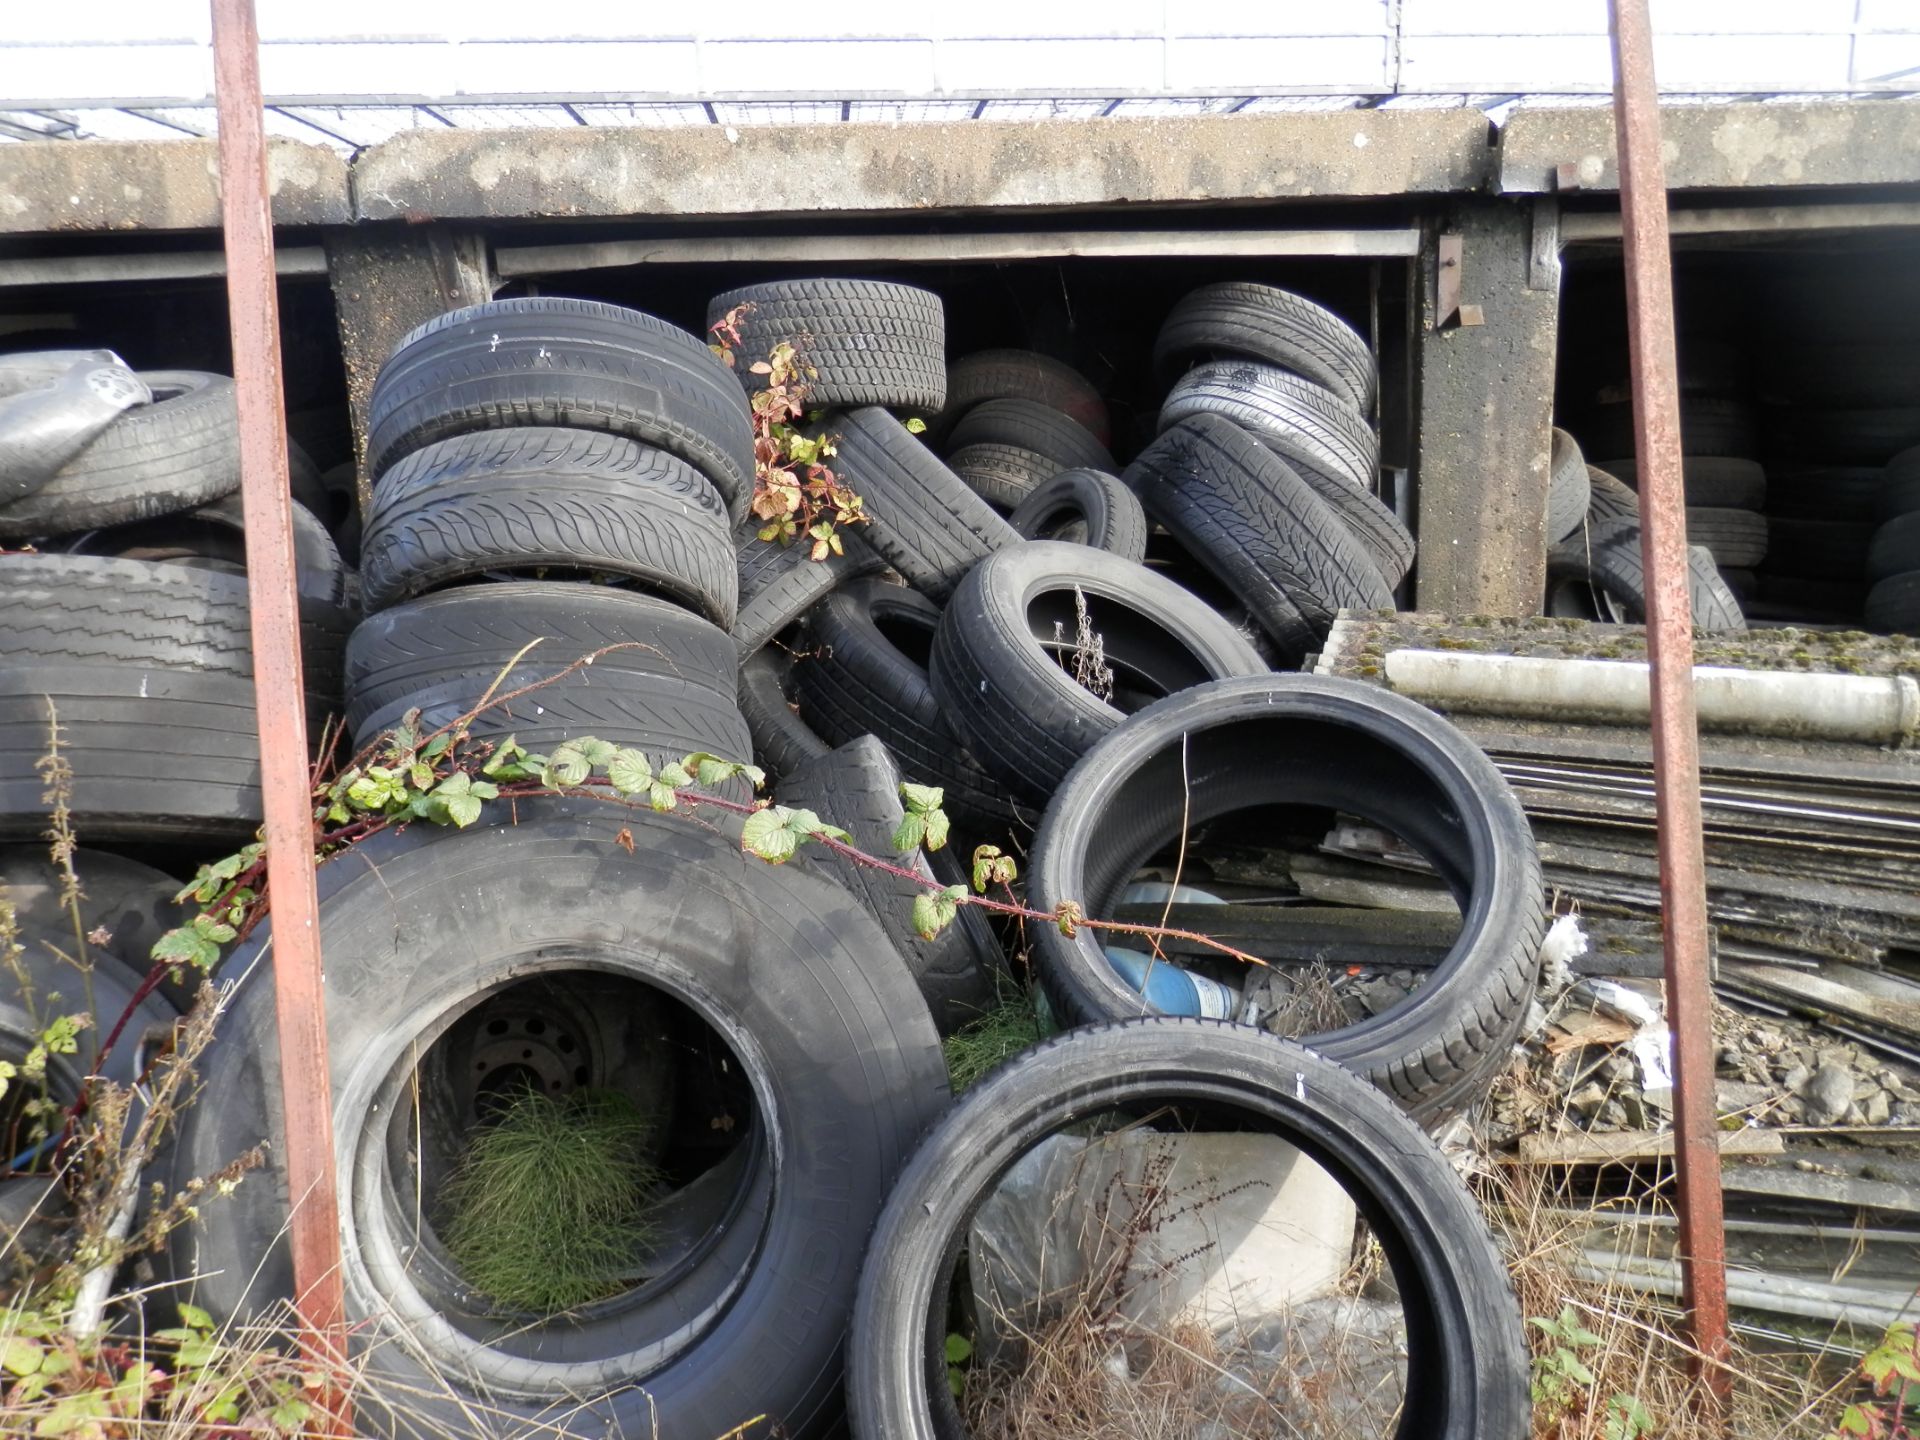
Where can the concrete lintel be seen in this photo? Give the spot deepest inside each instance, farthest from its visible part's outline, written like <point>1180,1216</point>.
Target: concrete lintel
<point>1486,408</point>
<point>713,170</point>
<point>90,185</point>
<point>1723,147</point>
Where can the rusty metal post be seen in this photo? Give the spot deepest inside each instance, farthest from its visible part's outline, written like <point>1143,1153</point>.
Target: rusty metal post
<point>1676,743</point>
<point>279,692</point>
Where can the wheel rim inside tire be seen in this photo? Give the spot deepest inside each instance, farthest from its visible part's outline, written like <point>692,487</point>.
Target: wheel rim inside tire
<point>570,1025</point>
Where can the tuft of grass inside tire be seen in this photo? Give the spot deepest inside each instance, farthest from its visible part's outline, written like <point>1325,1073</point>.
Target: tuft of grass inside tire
<point>549,1208</point>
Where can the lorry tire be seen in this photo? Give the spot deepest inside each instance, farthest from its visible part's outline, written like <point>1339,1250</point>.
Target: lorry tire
<point>1466,1367</point>
<point>532,502</point>
<point>806,1069</point>
<point>871,343</point>
<point>1085,507</point>
<point>547,360</point>
<point>1007,691</point>
<point>1277,326</point>
<point>1341,746</point>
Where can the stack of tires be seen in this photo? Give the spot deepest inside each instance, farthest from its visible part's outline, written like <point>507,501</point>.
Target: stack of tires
<point>1594,569</point>
<point>554,479</point>
<point>1893,555</point>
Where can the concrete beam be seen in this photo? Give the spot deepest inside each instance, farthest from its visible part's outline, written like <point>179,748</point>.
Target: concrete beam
<point>387,280</point>
<point>1723,147</point>
<point>1486,415</point>
<point>712,170</point>
<point>48,186</point>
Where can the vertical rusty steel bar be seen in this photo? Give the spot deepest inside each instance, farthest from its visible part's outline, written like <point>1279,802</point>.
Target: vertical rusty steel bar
<point>1676,746</point>
<point>279,689</point>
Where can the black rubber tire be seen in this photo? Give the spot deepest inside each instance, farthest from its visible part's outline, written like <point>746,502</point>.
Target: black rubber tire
<point>1902,485</point>
<point>1895,549</point>
<point>1002,475</point>
<point>1312,741</point>
<point>1277,326</point>
<point>782,741</point>
<point>780,583</point>
<point>866,674</point>
<point>1843,436</point>
<point>131,903</point>
<point>674,691</point>
<point>1719,482</point>
<point>857,787</point>
<point>1604,561</point>
<point>1030,425</point>
<point>1569,491</point>
<point>1019,374</point>
<point>1819,549</point>
<point>1825,492</point>
<point>1732,537</point>
<point>872,343</point>
<point>1241,510</point>
<point>176,454</point>
<point>1467,1367</point>
<point>1708,426</point>
<point>1893,605</point>
<point>1085,507</point>
<point>1610,498</point>
<point>822,1016</point>
<point>1822,601</point>
<point>522,504</point>
<point>1861,369</point>
<point>999,684</point>
<point>1743,585</point>
<point>921,517</point>
<point>547,360</point>
<point>150,668</point>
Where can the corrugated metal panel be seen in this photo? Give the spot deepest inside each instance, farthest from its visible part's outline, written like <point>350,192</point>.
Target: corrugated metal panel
<point>688,113</point>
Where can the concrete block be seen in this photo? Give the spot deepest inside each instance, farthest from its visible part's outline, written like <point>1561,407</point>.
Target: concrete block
<point>1049,67</point>
<point>1354,62</point>
<point>55,185</point>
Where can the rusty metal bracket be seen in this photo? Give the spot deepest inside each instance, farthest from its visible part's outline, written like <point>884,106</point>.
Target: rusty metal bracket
<point>1450,251</point>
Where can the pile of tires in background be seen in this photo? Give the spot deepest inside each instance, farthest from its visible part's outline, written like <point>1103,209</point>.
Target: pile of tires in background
<point>1083,656</point>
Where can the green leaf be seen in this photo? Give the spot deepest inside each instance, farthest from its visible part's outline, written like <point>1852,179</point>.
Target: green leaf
<point>959,1349</point>
<point>661,796</point>
<point>1577,1371</point>
<point>19,1356</point>
<point>916,426</point>
<point>71,1412</point>
<point>463,810</point>
<point>185,946</point>
<point>291,1414</point>
<point>437,746</point>
<point>629,771</point>
<point>937,825</point>
<point>196,1318</point>
<point>674,775</point>
<point>569,764</point>
<point>922,798</point>
<point>767,834</point>
<point>934,910</point>
<point>912,830</point>
<point>421,774</point>
<point>504,754</point>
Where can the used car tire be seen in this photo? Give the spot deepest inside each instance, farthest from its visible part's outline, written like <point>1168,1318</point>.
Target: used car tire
<point>839,1064</point>
<point>921,517</point>
<point>527,503</point>
<point>1732,537</point>
<point>1895,548</point>
<point>872,343</point>
<point>131,903</point>
<point>150,670</point>
<point>1609,497</point>
<point>213,537</point>
<point>1597,575</point>
<point>857,787</point>
<point>1274,544</point>
<point>780,583</point>
<point>1467,1366</point>
<point>1002,475</point>
<point>782,741</point>
<point>1708,426</point>
<point>178,453</point>
<point>866,674</point>
<point>547,360</point>
<point>998,667</point>
<point>1326,743</point>
<point>1569,491</point>
<point>1031,425</point>
<point>1724,482</point>
<point>1019,374</point>
<point>1893,605</point>
<point>1084,507</point>
<point>1277,326</point>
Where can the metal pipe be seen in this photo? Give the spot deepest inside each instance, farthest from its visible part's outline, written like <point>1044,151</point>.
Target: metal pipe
<point>1676,744</point>
<point>279,692</point>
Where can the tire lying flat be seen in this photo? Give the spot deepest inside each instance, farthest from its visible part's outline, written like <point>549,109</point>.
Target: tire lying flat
<point>871,343</point>
<point>1277,326</point>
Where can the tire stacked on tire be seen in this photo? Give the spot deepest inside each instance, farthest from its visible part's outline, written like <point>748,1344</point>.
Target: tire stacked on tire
<point>1893,555</point>
<point>1014,419</point>
<point>555,482</point>
<point>124,616</point>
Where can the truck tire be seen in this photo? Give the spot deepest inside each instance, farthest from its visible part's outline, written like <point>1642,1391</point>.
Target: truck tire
<point>921,517</point>
<point>872,343</point>
<point>1085,507</point>
<point>1733,537</point>
<point>782,741</point>
<point>1242,511</point>
<point>176,454</point>
<point>1338,745</point>
<point>857,787</point>
<point>1277,326</point>
<point>1569,492</point>
<point>1002,475</point>
<point>529,503</point>
<point>1597,576</point>
<point>780,583</point>
<point>799,998</point>
<point>1006,690</point>
<point>547,360</point>
<point>1030,425</point>
<point>866,674</point>
<point>1467,1367</point>
<point>1019,374</point>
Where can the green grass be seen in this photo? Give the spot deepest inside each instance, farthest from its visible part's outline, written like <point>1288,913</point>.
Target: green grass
<point>980,1046</point>
<point>548,1208</point>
